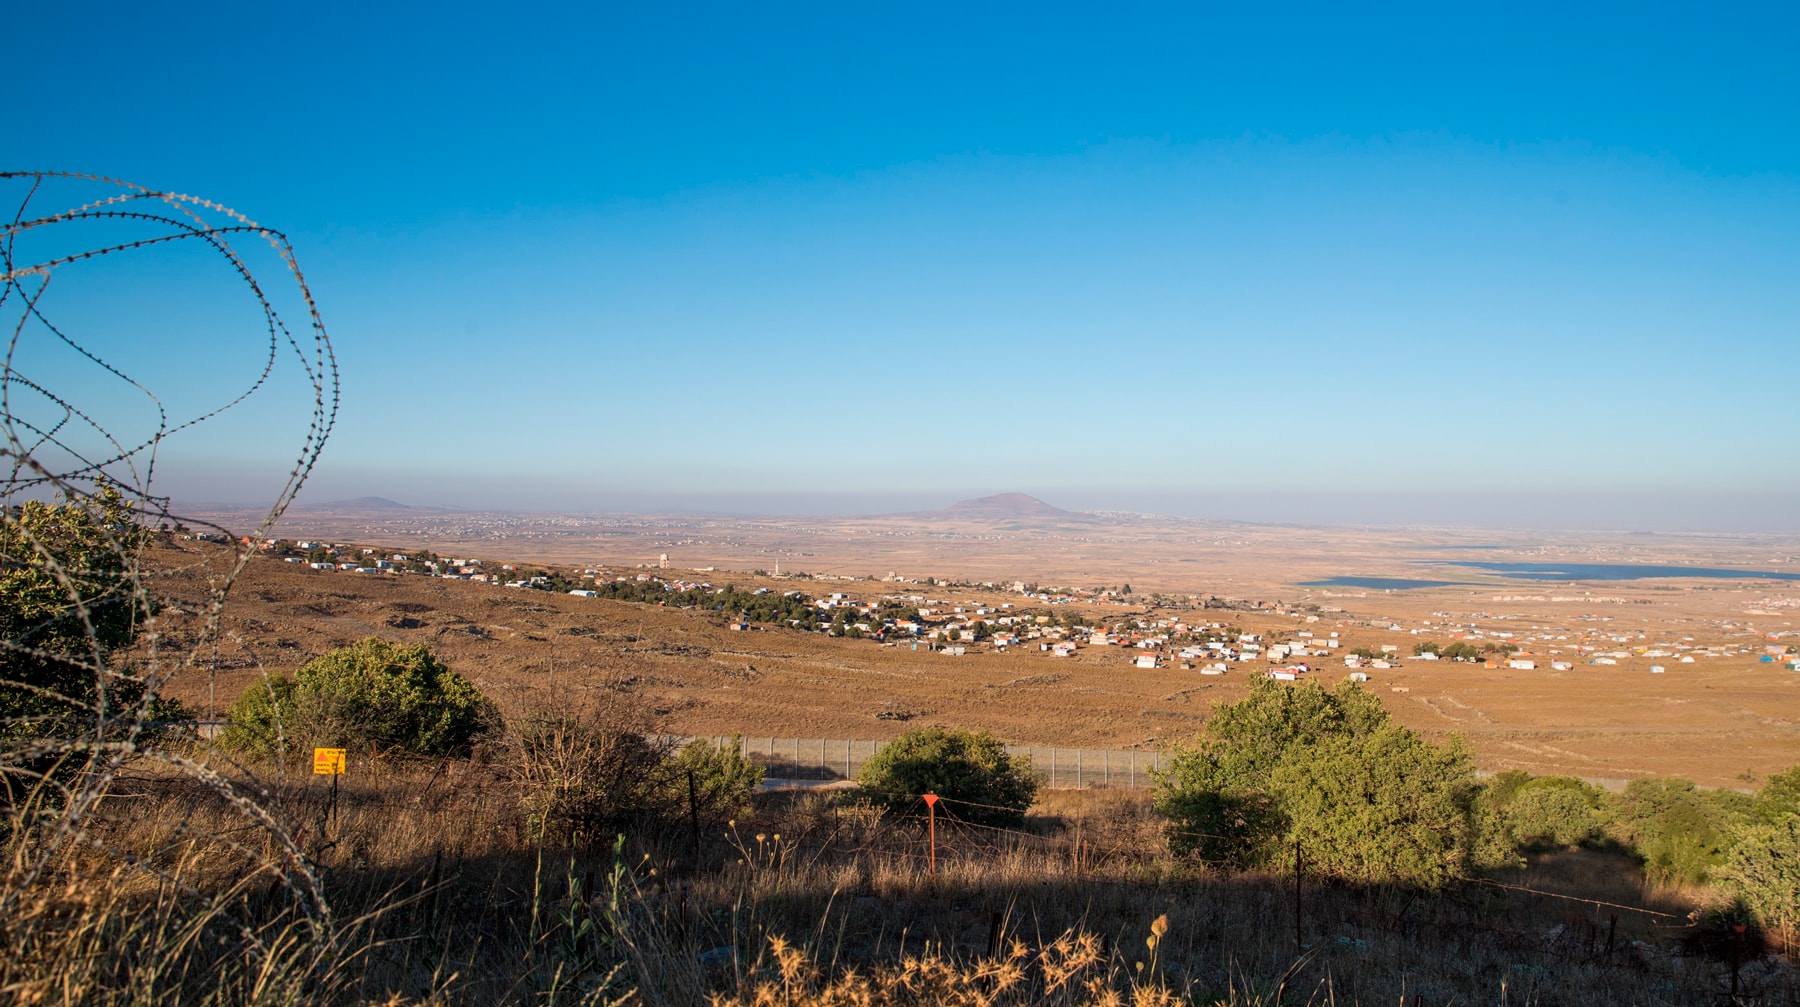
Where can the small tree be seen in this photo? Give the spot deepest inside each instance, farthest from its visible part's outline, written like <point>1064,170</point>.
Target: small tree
<point>66,604</point>
<point>1368,799</point>
<point>722,778</point>
<point>969,769</point>
<point>1779,797</point>
<point>1385,808</point>
<point>1678,831</point>
<point>70,607</point>
<point>1763,869</point>
<point>372,693</point>
<point>1555,811</point>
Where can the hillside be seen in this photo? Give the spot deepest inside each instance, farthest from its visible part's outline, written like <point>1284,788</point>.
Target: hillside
<point>1712,721</point>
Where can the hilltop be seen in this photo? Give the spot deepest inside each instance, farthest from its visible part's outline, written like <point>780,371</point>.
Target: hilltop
<point>1012,506</point>
<point>1021,510</point>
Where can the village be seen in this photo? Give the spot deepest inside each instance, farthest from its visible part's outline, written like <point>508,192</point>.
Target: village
<point>1143,632</point>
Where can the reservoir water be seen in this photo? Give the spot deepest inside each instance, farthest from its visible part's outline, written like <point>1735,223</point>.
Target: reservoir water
<point>1615,571</point>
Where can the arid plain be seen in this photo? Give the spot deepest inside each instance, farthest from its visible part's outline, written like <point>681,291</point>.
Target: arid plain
<point>1718,712</point>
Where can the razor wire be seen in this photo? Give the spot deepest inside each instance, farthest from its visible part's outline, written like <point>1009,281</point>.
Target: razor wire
<point>65,477</point>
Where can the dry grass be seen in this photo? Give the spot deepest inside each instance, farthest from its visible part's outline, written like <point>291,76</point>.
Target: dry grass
<point>1710,721</point>
<point>813,899</point>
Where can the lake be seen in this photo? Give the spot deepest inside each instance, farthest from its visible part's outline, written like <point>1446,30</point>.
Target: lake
<point>1615,571</point>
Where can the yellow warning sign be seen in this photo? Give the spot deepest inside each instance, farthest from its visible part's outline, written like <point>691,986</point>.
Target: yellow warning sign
<point>328,761</point>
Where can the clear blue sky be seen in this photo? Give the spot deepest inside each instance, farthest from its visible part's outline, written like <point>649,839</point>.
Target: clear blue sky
<point>1189,259</point>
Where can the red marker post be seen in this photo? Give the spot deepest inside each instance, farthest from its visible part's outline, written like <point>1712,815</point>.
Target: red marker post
<point>931,827</point>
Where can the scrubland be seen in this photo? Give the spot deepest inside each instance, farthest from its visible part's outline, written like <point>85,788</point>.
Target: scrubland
<point>1723,722</point>
<point>439,895</point>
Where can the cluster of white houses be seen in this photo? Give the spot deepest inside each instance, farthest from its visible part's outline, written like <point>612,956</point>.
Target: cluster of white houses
<point>1211,648</point>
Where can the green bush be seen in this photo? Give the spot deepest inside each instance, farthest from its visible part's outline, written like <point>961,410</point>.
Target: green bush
<point>1553,812</point>
<point>968,769</point>
<point>1367,799</point>
<point>1679,831</point>
<point>1763,870</point>
<point>1216,813</point>
<point>1778,798</point>
<point>1517,813</point>
<point>1382,808</point>
<point>66,604</point>
<point>374,694</point>
<point>723,779</point>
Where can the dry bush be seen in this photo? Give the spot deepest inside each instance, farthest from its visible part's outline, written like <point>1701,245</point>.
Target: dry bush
<point>587,773</point>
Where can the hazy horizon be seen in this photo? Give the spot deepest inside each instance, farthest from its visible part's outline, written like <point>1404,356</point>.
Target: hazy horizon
<point>1497,511</point>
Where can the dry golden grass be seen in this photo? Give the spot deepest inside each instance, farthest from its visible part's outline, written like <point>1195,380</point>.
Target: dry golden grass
<point>811,899</point>
<point>1715,721</point>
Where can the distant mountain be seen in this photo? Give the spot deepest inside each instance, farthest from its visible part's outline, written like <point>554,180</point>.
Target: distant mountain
<point>1010,505</point>
<point>1005,508</point>
<point>359,504</point>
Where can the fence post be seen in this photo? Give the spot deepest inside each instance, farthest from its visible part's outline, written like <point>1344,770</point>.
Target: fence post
<point>1078,769</point>
<point>1299,945</point>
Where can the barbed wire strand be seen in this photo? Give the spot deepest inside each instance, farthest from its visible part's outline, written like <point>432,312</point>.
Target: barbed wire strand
<point>49,455</point>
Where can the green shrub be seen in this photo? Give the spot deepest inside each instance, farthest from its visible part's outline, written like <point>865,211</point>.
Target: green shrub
<point>1763,870</point>
<point>1778,798</point>
<point>1555,812</point>
<point>723,779</point>
<point>1367,799</point>
<point>67,603</point>
<point>1517,812</point>
<point>1679,831</point>
<point>970,770</point>
<point>1387,807</point>
<point>372,694</point>
<point>1216,813</point>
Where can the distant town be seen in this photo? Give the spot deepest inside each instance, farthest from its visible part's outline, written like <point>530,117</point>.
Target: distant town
<point>1155,630</point>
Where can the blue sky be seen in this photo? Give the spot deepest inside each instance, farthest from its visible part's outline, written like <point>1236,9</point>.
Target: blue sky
<point>1299,263</point>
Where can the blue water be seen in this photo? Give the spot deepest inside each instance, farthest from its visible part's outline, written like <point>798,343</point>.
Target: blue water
<point>1615,571</point>
<point>1377,583</point>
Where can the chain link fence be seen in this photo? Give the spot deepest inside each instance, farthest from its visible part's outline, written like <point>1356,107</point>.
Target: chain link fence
<point>841,759</point>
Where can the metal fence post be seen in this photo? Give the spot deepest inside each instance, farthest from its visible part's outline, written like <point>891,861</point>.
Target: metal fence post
<point>1078,769</point>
